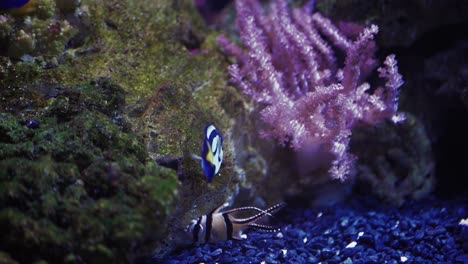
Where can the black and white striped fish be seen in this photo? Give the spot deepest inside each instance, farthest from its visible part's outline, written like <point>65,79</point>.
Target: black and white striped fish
<point>220,226</point>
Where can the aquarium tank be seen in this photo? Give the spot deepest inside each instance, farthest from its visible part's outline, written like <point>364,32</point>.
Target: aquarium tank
<point>233,131</point>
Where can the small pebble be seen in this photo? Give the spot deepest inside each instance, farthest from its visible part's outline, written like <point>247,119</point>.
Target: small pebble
<point>419,235</point>
<point>250,252</point>
<point>33,124</point>
<point>328,253</point>
<point>352,244</point>
<point>217,252</point>
<point>347,261</point>
<point>344,222</point>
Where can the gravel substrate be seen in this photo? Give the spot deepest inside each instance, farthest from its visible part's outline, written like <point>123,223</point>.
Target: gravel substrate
<point>357,231</point>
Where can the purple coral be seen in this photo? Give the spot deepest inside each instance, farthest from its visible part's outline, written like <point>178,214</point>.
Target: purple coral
<point>309,98</point>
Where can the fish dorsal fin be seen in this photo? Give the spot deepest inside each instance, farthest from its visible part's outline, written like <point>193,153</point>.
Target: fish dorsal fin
<point>245,208</point>
<point>262,213</point>
<point>209,129</point>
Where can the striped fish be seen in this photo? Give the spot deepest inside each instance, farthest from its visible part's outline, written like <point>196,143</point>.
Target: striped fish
<point>220,226</point>
<point>212,153</point>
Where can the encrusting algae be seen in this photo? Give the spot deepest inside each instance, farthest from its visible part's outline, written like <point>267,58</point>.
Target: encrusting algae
<point>79,185</point>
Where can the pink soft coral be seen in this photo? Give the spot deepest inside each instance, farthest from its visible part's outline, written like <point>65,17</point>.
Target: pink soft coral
<point>308,97</point>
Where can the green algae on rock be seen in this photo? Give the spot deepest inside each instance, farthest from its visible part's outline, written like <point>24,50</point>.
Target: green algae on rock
<point>81,186</point>
<point>42,31</point>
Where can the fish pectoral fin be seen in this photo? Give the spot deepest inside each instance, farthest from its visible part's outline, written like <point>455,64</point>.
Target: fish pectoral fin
<point>239,236</point>
<point>196,157</point>
<point>264,227</point>
<point>209,157</point>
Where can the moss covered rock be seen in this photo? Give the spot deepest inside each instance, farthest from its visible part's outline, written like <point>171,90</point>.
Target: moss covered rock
<point>79,185</point>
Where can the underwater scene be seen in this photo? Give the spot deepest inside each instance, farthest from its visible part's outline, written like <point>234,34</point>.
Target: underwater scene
<point>233,131</point>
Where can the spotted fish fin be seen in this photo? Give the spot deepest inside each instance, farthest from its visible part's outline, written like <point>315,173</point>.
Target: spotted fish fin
<point>265,227</point>
<point>246,208</point>
<point>262,213</point>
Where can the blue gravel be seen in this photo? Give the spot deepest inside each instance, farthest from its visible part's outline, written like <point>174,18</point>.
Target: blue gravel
<point>358,231</point>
